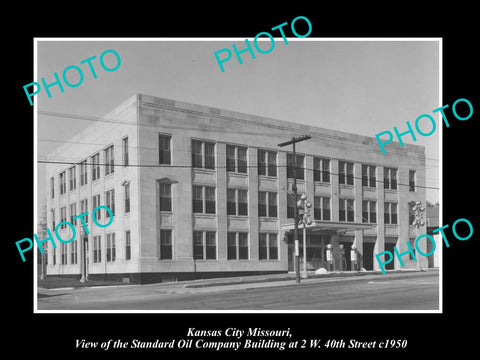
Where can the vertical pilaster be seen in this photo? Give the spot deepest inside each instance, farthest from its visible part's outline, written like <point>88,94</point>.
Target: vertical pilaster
<point>253,202</point>
<point>335,189</point>
<point>358,193</point>
<point>380,243</point>
<point>222,221</point>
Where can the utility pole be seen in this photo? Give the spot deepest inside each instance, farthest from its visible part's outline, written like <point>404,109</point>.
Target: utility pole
<point>294,189</point>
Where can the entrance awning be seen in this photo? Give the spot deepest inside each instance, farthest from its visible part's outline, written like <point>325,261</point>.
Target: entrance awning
<point>329,226</point>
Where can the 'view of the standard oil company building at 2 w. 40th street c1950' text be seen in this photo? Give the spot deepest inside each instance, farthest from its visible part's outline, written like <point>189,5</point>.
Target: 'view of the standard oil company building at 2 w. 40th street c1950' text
<point>201,192</point>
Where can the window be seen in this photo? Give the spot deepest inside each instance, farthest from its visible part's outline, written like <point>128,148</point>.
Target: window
<point>209,200</point>
<point>95,167</point>
<point>237,159</point>
<point>125,151</point>
<point>53,219</point>
<point>203,154</point>
<point>231,202</point>
<point>127,197</point>
<point>63,253</point>
<point>198,199</point>
<point>390,178</point>
<point>73,213</point>
<point>211,245</point>
<point>95,204</point>
<point>204,245</point>
<point>411,180</point>
<point>73,178</point>
<point>110,202</point>
<point>290,206</point>
<point>84,209</point>
<point>291,166</point>
<point>321,208</point>
<point>52,187</point>
<point>231,246</point>
<point>345,172</point>
<point>237,246</point>
<point>83,173</point>
<point>54,256</point>
<point>203,199</point>
<point>267,163</point>
<point>164,149</point>
<point>390,215</point>
<point>166,245</point>
<point>165,196</point>
<point>128,250</point>
<point>267,204</point>
<point>73,252</point>
<point>109,161</point>
<point>321,170</point>
<point>111,247</point>
<point>268,246</point>
<point>243,246</point>
<point>237,202</point>
<point>97,249</point>
<point>63,216</point>
<point>346,210</point>
<point>368,176</point>
<point>198,252</point>
<point>369,211</point>
<point>197,154</point>
<point>63,184</point>
<point>209,149</point>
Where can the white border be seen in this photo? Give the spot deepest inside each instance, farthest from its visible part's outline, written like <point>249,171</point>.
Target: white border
<point>439,247</point>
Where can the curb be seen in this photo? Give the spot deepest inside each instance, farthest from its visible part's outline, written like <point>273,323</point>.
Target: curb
<point>347,276</point>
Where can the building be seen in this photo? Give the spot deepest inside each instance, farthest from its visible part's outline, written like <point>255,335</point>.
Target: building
<point>203,192</point>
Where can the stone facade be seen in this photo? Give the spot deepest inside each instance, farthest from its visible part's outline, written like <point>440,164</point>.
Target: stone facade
<point>144,118</point>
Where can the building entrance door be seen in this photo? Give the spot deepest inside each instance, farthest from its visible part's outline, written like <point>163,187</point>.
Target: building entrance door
<point>368,248</point>
<point>389,247</point>
<point>316,251</point>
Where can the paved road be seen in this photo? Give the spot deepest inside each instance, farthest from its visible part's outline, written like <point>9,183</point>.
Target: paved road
<point>417,291</point>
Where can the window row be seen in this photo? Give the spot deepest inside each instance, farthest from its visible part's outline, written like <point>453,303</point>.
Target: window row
<point>83,207</point>
<point>205,245</point>
<point>346,210</point>
<point>110,247</point>
<point>203,156</point>
<point>109,168</point>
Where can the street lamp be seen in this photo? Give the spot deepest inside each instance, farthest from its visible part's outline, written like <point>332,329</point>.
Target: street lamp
<point>294,189</point>
<point>418,210</point>
<point>304,218</point>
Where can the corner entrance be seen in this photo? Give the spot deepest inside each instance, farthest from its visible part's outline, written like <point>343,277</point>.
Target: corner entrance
<point>316,251</point>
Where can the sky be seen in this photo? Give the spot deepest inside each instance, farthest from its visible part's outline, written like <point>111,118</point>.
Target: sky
<point>361,87</point>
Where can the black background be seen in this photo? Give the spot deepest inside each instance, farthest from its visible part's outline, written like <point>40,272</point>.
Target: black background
<point>54,335</point>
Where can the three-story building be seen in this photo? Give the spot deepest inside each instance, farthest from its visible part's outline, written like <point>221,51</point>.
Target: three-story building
<point>202,192</point>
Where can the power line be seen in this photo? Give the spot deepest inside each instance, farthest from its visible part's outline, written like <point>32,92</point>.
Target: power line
<point>72,160</point>
<point>191,167</point>
<point>319,136</point>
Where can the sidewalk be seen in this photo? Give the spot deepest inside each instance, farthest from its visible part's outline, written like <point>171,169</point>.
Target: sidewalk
<point>257,281</point>
<point>51,283</point>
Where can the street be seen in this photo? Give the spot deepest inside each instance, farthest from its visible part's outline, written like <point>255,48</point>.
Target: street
<point>417,291</point>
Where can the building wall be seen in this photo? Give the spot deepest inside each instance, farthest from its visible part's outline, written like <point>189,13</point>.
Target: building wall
<point>111,129</point>
<point>184,122</point>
